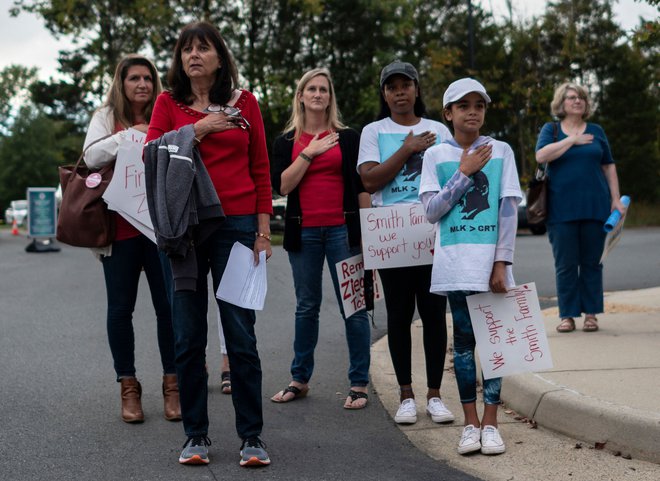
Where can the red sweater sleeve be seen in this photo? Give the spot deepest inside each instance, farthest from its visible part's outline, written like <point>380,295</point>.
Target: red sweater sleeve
<point>258,153</point>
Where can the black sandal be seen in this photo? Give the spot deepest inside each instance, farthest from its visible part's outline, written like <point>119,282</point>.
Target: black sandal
<point>355,395</point>
<point>297,393</point>
<point>225,384</point>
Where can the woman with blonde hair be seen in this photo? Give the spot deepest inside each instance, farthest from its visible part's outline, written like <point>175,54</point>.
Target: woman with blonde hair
<point>583,189</point>
<point>129,103</point>
<point>314,164</point>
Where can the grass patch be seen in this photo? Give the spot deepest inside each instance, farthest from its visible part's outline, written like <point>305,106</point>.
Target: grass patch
<point>643,214</point>
<point>276,238</point>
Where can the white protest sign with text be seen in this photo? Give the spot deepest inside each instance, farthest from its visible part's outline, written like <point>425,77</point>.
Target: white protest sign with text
<point>126,192</point>
<point>396,236</point>
<point>509,331</point>
<point>350,274</point>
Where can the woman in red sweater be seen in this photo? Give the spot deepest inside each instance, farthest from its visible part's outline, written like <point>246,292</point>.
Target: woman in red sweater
<point>229,133</point>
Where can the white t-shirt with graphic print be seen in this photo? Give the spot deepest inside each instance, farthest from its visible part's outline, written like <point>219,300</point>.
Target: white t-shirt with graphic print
<point>466,237</point>
<point>380,140</point>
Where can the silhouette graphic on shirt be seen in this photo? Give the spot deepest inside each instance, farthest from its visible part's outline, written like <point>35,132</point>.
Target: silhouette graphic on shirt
<point>475,200</point>
<point>413,167</point>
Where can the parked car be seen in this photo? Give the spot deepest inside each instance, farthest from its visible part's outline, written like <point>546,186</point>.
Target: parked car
<point>279,209</point>
<point>536,229</point>
<point>18,209</point>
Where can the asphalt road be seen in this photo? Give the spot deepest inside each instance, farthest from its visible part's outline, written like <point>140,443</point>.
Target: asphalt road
<point>59,402</point>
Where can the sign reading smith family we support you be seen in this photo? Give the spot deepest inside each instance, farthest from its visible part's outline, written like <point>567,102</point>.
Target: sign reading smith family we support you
<point>509,331</point>
<point>396,236</point>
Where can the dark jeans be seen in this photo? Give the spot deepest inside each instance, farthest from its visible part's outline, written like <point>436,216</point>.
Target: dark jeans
<point>577,247</point>
<point>402,287</point>
<point>318,244</point>
<point>191,328</point>
<point>122,274</point>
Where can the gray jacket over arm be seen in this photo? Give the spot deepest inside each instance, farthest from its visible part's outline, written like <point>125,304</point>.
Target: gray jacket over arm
<point>183,204</point>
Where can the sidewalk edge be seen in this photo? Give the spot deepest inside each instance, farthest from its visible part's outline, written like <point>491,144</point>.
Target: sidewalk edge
<point>558,408</point>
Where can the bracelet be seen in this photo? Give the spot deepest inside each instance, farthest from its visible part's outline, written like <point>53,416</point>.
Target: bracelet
<point>265,236</point>
<point>305,157</point>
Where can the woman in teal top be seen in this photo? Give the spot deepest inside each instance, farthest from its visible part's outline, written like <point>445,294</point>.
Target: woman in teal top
<point>583,189</point>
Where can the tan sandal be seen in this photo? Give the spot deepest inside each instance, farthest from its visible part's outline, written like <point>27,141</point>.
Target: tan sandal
<point>590,324</point>
<point>566,325</point>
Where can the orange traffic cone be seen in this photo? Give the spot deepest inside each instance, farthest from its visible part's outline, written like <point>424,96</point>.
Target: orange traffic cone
<point>14,227</point>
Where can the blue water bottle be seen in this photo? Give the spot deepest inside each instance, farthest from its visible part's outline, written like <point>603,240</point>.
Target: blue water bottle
<point>615,216</point>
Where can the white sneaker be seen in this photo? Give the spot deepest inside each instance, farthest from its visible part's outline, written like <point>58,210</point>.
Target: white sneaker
<point>491,441</point>
<point>470,440</point>
<point>407,412</point>
<point>438,411</point>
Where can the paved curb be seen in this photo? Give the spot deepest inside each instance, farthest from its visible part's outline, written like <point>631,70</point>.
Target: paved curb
<point>558,408</point>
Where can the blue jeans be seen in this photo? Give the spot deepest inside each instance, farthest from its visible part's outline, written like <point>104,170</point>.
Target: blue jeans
<point>319,243</point>
<point>577,247</point>
<point>464,343</point>
<point>190,332</point>
<point>122,275</point>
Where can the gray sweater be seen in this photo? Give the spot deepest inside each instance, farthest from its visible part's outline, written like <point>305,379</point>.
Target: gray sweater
<point>183,203</point>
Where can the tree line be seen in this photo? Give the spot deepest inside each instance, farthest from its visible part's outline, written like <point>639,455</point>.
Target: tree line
<point>520,62</point>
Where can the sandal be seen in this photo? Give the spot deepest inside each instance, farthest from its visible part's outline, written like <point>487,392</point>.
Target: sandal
<point>297,394</point>
<point>354,396</point>
<point>590,323</point>
<point>566,325</point>
<point>225,384</point>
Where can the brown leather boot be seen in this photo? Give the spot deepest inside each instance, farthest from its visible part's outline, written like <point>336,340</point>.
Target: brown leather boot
<point>131,403</point>
<point>171,404</point>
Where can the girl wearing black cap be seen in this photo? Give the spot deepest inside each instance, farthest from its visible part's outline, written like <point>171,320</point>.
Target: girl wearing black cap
<point>389,163</point>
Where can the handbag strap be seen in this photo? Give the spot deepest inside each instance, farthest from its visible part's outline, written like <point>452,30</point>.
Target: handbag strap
<point>82,154</point>
<point>542,169</point>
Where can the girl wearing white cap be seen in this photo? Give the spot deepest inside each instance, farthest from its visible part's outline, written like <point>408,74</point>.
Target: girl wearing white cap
<point>389,163</point>
<point>470,188</point>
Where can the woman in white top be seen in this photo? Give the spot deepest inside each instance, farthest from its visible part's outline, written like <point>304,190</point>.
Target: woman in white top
<point>129,103</point>
<point>390,164</point>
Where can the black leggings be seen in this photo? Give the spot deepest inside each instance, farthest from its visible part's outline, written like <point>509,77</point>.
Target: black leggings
<point>402,286</point>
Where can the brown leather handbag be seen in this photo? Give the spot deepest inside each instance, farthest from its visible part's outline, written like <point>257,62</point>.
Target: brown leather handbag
<point>84,219</point>
<point>537,196</point>
<point>537,191</point>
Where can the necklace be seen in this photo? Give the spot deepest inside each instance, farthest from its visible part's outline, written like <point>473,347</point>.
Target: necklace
<point>573,129</point>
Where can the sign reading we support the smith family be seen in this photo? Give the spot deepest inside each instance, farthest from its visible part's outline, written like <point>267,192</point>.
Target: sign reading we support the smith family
<point>509,331</point>
<point>396,236</point>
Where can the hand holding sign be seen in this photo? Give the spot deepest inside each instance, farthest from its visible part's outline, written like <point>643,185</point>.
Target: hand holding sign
<point>510,332</point>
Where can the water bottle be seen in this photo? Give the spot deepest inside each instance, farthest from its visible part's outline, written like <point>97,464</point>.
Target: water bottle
<point>615,216</point>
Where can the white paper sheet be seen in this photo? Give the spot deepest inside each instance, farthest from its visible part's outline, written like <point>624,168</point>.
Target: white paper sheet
<point>244,284</point>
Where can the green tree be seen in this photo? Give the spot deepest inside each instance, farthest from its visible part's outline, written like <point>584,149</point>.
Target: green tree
<point>29,155</point>
<point>629,114</point>
<point>15,81</point>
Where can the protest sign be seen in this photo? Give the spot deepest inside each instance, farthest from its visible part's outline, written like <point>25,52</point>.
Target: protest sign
<point>396,236</point>
<point>126,192</point>
<point>350,273</point>
<point>509,331</point>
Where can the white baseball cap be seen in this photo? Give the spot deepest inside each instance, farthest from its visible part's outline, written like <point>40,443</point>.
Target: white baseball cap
<point>460,88</point>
